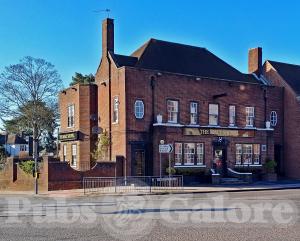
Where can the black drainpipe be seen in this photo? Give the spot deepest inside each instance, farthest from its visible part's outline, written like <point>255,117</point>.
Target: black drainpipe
<point>109,103</point>
<point>151,146</point>
<point>265,110</point>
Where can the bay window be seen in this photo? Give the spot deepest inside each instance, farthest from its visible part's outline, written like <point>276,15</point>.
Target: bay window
<point>247,154</point>
<point>200,153</point>
<point>178,153</point>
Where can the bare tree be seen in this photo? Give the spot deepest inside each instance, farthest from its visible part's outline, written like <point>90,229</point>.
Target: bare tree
<point>26,85</point>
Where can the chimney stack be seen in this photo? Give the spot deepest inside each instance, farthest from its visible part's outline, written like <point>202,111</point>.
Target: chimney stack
<point>255,61</point>
<point>107,36</point>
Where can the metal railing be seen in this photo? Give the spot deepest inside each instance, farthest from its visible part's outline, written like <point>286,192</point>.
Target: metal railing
<point>147,184</point>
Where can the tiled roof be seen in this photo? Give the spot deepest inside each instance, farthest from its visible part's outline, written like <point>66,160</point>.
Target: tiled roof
<point>290,73</point>
<point>182,59</point>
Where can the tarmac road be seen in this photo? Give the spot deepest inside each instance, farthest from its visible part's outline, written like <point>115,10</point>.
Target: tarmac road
<point>256,215</point>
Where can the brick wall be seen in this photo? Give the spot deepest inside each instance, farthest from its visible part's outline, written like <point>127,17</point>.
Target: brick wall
<point>291,118</point>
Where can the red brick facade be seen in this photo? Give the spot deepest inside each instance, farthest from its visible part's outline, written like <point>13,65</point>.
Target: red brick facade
<point>137,138</point>
<point>84,100</point>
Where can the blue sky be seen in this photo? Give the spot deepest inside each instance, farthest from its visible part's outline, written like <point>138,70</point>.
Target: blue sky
<point>68,32</point>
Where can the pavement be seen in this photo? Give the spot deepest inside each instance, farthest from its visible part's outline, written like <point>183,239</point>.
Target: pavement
<point>269,215</point>
<point>258,186</point>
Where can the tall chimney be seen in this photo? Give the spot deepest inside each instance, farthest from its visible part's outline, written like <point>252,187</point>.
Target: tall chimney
<point>255,61</point>
<point>107,36</point>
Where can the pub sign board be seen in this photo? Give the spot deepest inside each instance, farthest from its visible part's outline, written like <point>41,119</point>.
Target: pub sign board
<point>70,136</point>
<point>218,132</point>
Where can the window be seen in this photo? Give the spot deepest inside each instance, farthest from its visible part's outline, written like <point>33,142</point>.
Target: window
<point>64,152</point>
<point>116,109</point>
<point>213,114</point>
<point>200,153</point>
<point>23,147</point>
<point>74,156</point>
<point>256,154</point>
<point>71,114</point>
<point>172,106</point>
<point>247,154</point>
<point>231,115</point>
<point>194,112</point>
<point>238,154</point>
<point>273,118</point>
<point>139,109</point>
<point>250,116</point>
<point>178,153</point>
<point>189,153</point>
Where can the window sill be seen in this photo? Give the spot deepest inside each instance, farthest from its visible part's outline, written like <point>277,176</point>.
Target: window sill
<point>189,166</point>
<point>248,165</point>
<point>168,124</point>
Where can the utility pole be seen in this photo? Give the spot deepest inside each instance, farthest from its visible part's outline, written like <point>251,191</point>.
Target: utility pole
<point>35,156</point>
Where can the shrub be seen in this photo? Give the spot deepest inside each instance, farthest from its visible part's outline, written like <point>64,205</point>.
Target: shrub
<point>171,170</point>
<point>2,158</point>
<point>270,165</point>
<point>27,166</point>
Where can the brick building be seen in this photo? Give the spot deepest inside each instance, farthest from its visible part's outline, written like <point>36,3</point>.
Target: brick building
<point>78,114</point>
<point>185,96</point>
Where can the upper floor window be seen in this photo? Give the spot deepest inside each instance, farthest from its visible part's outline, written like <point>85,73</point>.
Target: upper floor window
<point>115,109</point>
<point>172,106</point>
<point>232,115</point>
<point>139,109</point>
<point>213,114</point>
<point>250,116</point>
<point>71,115</point>
<point>273,118</point>
<point>194,112</point>
<point>23,147</point>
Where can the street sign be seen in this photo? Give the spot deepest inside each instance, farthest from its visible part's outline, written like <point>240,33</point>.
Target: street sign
<point>167,148</point>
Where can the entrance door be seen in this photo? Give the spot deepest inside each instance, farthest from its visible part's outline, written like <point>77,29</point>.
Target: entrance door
<point>139,163</point>
<point>220,160</point>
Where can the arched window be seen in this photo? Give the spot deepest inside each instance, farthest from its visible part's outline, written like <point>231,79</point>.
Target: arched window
<point>139,109</point>
<point>273,118</point>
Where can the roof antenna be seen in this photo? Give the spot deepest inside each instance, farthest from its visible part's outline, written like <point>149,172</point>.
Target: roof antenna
<point>107,10</point>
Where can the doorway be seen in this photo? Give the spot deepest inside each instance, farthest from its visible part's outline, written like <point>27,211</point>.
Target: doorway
<point>220,160</point>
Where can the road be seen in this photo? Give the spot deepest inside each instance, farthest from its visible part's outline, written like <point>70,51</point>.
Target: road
<point>262,215</point>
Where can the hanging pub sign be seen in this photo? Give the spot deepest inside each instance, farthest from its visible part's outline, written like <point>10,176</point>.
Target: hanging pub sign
<point>70,136</point>
<point>218,132</point>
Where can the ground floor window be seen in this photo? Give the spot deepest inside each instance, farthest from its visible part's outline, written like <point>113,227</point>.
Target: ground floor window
<point>247,154</point>
<point>74,156</point>
<point>189,153</point>
<point>23,147</point>
<point>64,152</point>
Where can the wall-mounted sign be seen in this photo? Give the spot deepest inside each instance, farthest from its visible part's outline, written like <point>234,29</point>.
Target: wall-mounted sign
<point>218,132</point>
<point>70,136</point>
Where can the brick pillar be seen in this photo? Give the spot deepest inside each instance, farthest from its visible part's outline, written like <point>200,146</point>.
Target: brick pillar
<point>255,61</point>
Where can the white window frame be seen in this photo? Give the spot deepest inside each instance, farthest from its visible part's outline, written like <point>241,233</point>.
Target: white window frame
<point>250,115</point>
<point>64,152</point>
<point>238,154</point>
<point>273,118</point>
<point>115,117</point>
<point>200,153</point>
<point>193,113</point>
<point>178,153</point>
<point>23,147</point>
<point>213,114</point>
<point>71,115</point>
<point>74,155</point>
<point>173,110</point>
<point>189,153</point>
<point>139,109</point>
<point>232,115</point>
<point>247,154</point>
<point>256,154</point>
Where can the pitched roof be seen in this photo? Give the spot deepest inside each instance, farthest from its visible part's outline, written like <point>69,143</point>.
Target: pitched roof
<point>182,59</point>
<point>290,73</point>
<point>12,139</point>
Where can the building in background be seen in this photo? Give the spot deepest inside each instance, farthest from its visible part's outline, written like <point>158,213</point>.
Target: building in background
<point>16,146</point>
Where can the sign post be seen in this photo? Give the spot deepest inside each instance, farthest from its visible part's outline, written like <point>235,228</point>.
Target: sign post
<point>165,148</point>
